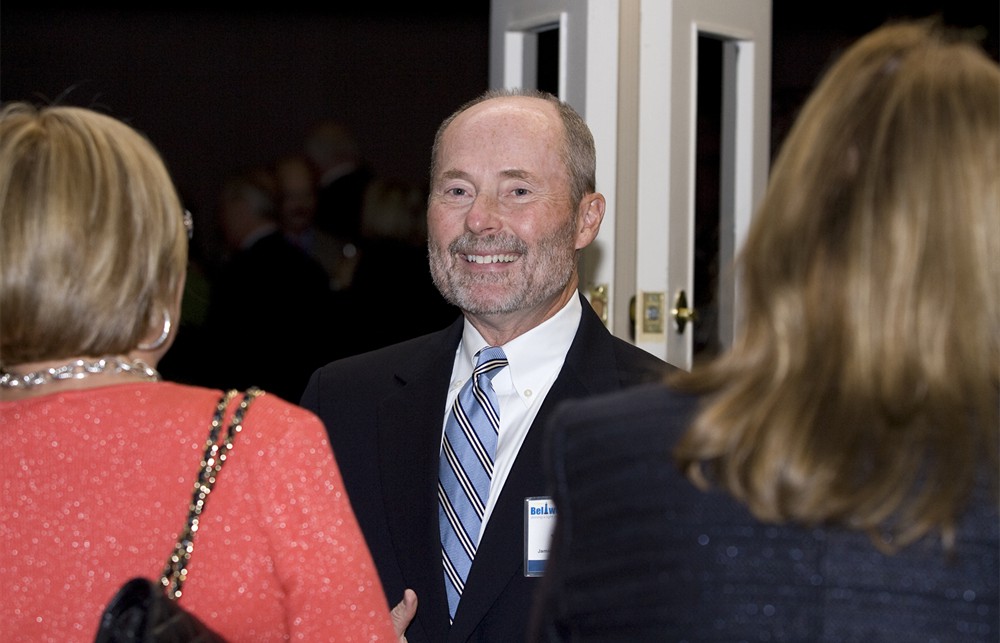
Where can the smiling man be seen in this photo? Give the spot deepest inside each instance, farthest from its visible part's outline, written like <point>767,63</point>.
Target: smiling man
<point>512,203</point>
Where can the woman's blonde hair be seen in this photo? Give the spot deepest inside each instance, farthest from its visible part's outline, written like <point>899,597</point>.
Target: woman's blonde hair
<point>862,389</point>
<point>93,245</point>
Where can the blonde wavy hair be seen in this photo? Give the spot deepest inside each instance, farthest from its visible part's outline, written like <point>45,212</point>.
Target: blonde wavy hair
<point>862,389</point>
<point>93,246</point>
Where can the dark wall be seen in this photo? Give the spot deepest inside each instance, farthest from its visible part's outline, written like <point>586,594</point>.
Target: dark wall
<point>215,90</point>
<point>807,36</point>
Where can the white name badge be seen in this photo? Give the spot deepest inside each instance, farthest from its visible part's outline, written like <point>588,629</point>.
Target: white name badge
<point>539,521</point>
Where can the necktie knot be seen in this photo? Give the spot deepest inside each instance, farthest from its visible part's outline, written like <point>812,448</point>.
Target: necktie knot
<point>489,361</point>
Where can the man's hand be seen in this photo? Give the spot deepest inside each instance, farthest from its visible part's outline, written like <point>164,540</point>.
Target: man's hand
<point>403,613</point>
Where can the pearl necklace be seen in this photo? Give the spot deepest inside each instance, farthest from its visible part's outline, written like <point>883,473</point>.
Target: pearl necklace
<point>77,369</point>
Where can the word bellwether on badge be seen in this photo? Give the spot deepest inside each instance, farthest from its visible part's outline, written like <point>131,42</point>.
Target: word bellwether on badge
<point>539,521</point>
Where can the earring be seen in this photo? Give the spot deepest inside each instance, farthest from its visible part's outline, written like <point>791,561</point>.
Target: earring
<point>162,339</point>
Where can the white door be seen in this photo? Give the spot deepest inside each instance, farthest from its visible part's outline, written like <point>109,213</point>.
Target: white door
<point>631,68</point>
<point>671,34</point>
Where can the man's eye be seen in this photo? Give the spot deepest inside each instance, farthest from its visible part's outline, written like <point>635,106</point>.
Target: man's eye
<point>521,192</point>
<point>457,192</point>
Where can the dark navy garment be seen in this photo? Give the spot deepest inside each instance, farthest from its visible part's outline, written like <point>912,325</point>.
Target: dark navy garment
<point>639,554</point>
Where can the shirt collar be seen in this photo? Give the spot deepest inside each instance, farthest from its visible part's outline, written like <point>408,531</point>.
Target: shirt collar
<point>534,358</point>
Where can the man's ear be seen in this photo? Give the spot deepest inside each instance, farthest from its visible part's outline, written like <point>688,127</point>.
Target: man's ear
<point>590,214</point>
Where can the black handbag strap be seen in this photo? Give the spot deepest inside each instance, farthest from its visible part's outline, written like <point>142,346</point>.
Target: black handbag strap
<point>216,452</point>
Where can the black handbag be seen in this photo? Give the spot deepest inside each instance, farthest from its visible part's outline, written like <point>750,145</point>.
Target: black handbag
<point>142,611</point>
<point>146,611</point>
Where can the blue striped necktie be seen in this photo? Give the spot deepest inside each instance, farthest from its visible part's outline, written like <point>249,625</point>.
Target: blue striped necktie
<point>466,469</point>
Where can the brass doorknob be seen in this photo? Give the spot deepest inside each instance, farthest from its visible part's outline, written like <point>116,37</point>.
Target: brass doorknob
<point>681,313</point>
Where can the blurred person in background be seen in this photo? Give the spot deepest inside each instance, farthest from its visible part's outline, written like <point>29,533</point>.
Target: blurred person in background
<point>296,184</point>
<point>271,316</point>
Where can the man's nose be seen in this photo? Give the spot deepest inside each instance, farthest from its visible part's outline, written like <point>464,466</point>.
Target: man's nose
<point>484,216</point>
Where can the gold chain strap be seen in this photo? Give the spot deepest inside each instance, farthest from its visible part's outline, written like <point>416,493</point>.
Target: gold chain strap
<point>175,571</point>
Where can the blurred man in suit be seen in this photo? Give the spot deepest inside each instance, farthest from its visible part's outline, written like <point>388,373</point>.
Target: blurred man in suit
<point>343,176</point>
<point>270,309</point>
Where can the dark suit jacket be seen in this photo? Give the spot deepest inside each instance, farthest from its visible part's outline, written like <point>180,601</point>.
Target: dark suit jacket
<point>639,554</point>
<point>269,320</point>
<point>384,413</point>
<point>339,203</point>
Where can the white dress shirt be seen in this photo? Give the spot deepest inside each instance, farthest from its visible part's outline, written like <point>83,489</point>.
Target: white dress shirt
<point>534,360</point>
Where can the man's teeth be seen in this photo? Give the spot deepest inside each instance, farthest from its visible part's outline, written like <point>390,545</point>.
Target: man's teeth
<point>490,258</point>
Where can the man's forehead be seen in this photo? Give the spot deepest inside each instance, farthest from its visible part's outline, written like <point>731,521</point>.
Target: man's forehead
<point>513,157</point>
<point>523,112</point>
<point>508,137</point>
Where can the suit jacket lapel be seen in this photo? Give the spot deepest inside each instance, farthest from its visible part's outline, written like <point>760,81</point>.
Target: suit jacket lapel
<point>409,434</point>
